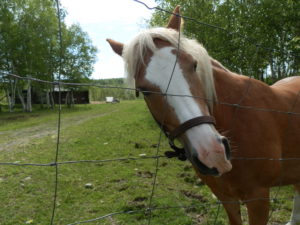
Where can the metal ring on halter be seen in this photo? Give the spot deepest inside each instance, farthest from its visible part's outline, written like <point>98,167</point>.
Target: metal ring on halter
<point>180,152</point>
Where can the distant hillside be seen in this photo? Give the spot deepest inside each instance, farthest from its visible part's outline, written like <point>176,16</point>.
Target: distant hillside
<point>111,81</point>
<point>99,93</point>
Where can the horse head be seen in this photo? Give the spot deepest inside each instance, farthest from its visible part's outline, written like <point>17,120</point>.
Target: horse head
<point>175,75</point>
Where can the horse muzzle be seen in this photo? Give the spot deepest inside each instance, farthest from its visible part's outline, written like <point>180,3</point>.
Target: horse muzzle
<point>205,170</point>
<point>189,152</point>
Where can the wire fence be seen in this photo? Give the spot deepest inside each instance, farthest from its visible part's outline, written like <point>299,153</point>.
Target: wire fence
<point>56,163</point>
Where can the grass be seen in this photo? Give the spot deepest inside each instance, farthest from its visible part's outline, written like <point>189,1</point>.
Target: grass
<point>92,190</point>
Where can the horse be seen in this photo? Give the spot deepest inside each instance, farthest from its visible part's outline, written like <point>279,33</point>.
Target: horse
<point>241,135</point>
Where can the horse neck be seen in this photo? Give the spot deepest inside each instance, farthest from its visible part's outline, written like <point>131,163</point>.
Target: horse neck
<point>230,89</point>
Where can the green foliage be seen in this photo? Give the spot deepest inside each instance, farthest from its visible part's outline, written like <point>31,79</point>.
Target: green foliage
<point>78,54</point>
<point>261,38</point>
<point>30,41</point>
<point>30,46</point>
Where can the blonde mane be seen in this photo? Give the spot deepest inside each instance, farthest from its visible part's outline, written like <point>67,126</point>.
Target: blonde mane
<point>134,53</point>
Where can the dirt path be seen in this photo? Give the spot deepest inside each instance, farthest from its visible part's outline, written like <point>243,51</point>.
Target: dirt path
<point>22,137</point>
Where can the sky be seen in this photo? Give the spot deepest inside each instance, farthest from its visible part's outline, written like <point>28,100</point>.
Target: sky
<point>120,20</point>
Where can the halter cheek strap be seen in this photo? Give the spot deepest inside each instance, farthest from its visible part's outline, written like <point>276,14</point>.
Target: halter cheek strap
<point>181,129</point>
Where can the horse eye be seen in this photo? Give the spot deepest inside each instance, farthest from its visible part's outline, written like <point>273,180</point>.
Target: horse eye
<point>195,66</point>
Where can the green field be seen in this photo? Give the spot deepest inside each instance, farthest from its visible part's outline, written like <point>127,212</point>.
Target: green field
<point>88,190</point>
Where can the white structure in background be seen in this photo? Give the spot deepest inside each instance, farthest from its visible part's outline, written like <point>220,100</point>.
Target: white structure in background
<point>109,99</point>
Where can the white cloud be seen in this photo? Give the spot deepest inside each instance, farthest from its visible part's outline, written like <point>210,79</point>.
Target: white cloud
<point>116,19</point>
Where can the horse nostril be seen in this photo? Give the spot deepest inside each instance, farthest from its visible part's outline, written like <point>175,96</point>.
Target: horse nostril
<point>226,144</point>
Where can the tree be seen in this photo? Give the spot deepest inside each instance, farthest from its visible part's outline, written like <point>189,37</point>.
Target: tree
<point>78,54</point>
<point>261,38</point>
<point>29,46</point>
<point>28,33</point>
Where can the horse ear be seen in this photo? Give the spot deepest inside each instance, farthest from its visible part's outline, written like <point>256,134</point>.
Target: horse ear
<point>175,19</point>
<point>116,46</point>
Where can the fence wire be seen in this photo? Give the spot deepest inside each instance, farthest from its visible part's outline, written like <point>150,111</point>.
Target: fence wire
<point>236,105</point>
<point>59,113</point>
<point>56,163</point>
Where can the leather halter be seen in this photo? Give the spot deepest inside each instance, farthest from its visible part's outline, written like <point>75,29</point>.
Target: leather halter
<point>189,124</point>
<point>181,129</point>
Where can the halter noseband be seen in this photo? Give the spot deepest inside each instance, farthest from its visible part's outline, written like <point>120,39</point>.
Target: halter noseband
<point>189,124</point>
<point>181,129</point>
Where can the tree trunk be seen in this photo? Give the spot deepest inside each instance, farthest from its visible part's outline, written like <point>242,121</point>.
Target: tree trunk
<point>29,105</point>
<point>52,102</point>
<point>72,99</point>
<point>273,72</point>
<point>41,99</point>
<point>9,103</point>
<point>12,93</point>
<point>21,99</point>
<point>48,99</point>
<point>68,100</point>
